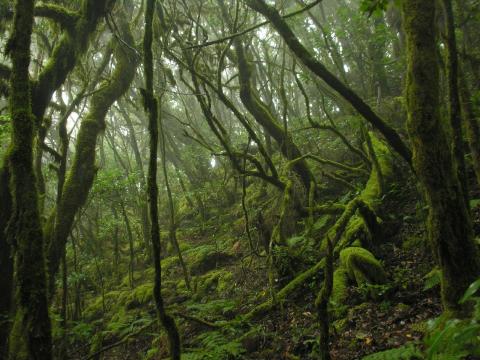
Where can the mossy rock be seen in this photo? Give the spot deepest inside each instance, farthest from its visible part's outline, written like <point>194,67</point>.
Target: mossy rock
<point>219,281</point>
<point>141,295</point>
<point>205,258</point>
<point>95,309</point>
<point>362,266</point>
<point>413,242</point>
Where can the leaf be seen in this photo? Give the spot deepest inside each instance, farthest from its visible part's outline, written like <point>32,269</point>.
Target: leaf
<point>472,289</point>
<point>474,203</point>
<point>432,279</point>
<point>407,352</point>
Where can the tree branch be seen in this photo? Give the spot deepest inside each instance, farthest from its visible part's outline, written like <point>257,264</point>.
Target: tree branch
<point>254,27</point>
<point>65,17</point>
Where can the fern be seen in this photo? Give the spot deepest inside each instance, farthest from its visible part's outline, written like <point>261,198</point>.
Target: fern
<point>432,279</point>
<point>215,346</point>
<point>407,352</point>
<point>213,307</point>
<point>455,339</point>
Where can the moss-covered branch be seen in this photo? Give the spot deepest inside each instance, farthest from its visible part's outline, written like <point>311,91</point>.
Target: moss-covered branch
<point>262,113</point>
<point>322,72</point>
<point>81,175</point>
<point>66,54</point>
<point>348,227</point>
<point>65,17</point>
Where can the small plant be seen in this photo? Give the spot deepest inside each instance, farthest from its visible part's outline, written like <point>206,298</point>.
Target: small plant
<point>215,346</point>
<point>454,338</point>
<point>374,291</point>
<point>447,339</point>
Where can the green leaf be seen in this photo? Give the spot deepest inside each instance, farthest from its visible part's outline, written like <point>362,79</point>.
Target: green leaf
<point>472,289</point>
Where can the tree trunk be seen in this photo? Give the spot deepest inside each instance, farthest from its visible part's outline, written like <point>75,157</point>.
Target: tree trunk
<point>451,63</point>
<point>151,106</point>
<point>31,334</point>
<point>80,177</point>
<point>449,225</point>
<point>6,262</point>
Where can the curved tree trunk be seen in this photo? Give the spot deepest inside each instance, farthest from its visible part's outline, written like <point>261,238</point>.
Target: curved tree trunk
<point>80,178</point>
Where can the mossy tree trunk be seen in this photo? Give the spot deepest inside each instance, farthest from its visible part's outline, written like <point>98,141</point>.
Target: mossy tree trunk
<point>63,60</point>
<point>31,334</point>
<point>454,95</point>
<point>81,175</point>
<point>472,129</point>
<point>151,106</point>
<point>6,262</point>
<point>449,224</point>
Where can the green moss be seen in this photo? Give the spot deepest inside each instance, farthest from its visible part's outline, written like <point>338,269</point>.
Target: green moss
<point>339,292</point>
<point>371,194</point>
<point>218,281</point>
<point>17,340</point>
<point>356,230</point>
<point>340,325</point>
<point>141,295</point>
<point>204,258</point>
<point>362,267</point>
<point>421,327</point>
<point>413,242</point>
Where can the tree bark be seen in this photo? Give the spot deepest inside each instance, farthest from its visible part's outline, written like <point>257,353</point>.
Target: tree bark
<point>151,106</point>
<point>80,178</point>
<point>31,334</point>
<point>449,225</point>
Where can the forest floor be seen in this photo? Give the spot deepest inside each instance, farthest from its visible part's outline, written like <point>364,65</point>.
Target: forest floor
<point>398,315</point>
<point>230,283</point>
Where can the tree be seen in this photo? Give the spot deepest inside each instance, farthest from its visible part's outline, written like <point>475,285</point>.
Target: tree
<point>30,337</point>
<point>151,106</point>
<point>449,225</point>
